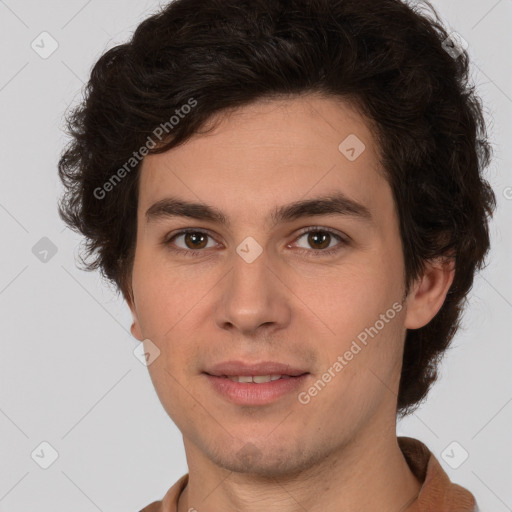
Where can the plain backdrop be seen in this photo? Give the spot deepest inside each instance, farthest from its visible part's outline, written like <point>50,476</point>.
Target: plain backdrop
<point>68,374</point>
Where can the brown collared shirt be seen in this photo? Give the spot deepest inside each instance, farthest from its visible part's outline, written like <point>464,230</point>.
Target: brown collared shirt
<point>437,493</point>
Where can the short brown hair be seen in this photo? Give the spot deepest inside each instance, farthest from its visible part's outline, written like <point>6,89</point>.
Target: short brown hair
<point>387,58</point>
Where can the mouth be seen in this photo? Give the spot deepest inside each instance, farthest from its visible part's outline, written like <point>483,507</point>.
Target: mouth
<point>256,379</point>
<point>250,383</point>
<point>271,370</point>
<point>256,390</point>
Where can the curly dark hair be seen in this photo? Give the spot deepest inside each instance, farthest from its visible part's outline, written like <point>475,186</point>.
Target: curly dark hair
<point>388,59</point>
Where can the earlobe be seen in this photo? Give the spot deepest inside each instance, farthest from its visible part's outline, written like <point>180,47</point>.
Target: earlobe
<point>135,330</point>
<point>429,292</point>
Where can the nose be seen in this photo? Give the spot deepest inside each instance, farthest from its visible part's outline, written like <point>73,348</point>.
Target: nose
<point>253,297</point>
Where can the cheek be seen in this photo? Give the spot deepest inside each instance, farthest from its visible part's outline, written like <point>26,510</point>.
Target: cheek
<point>365,318</point>
<point>150,299</point>
<point>169,302</point>
<point>163,294</point>
<point>356,296</point>
<point>365,356</point>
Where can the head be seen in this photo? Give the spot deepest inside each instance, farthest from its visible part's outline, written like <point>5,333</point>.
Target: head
<point>246,107</point>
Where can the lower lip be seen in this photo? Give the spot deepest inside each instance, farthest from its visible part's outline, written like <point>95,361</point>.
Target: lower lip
<point>249,393</point>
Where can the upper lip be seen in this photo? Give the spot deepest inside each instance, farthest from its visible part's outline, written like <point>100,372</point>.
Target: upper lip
<point>231,368</point>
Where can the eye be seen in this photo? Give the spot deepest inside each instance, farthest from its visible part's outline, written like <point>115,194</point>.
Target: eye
<point>193,239</point>
<point>320,238</point>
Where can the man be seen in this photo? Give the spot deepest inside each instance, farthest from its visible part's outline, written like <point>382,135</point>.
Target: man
<point>289,195</point>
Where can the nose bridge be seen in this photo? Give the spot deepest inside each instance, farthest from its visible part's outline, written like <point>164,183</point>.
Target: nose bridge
<point>249,281</point>
<point>252,295</point>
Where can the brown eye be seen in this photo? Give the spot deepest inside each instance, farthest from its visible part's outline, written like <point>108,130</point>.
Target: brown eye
<point>319,242</point>
<point>319,239</point>
<point>193,242</point>
<point>195,239</point>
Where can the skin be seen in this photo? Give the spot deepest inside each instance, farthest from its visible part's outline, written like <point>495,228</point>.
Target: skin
<point>338,452</point>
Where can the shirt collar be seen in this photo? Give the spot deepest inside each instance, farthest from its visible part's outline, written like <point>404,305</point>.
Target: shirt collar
<point>437,491</point>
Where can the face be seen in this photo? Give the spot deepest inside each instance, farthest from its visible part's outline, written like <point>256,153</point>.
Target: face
<point>301,286</point>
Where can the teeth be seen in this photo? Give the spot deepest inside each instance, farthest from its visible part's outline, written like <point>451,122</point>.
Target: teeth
<point>257,379</point>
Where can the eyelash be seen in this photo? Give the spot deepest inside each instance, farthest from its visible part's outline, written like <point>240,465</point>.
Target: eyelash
<point>319,252</point>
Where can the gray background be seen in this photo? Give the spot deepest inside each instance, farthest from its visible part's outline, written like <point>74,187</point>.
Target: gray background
<point>68,373</point>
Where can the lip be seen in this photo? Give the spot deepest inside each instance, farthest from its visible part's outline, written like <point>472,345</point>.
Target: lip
<point>249,393</point>
<point>232,368</point>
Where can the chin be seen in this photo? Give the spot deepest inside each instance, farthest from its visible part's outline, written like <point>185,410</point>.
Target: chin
<point>267,462</point>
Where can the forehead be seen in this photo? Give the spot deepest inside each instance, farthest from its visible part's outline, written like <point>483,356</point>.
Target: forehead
<point>266,153</point>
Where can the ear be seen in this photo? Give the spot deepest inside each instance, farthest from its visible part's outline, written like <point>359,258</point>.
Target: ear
<point>135,328</point>
<point>429,292</point>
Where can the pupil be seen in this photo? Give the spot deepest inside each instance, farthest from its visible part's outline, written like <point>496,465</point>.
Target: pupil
<point>314,236</point>
<point>193,236</point>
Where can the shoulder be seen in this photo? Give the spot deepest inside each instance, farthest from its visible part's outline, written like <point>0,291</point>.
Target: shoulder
<point>169,503</point>
<point>156,506</point>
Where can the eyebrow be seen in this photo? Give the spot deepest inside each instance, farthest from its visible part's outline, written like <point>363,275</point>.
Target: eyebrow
<point>332,204</point>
